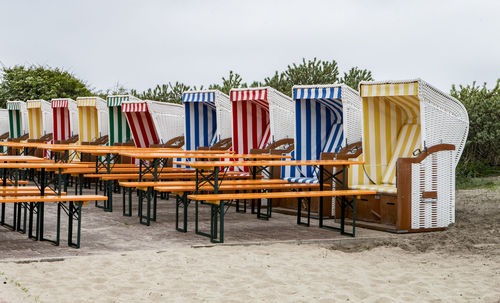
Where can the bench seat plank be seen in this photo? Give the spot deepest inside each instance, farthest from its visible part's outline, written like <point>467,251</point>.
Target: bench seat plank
<point>237,187</point>
<point>37,199</point>
<point>272,195</point>
<point>181,183</point>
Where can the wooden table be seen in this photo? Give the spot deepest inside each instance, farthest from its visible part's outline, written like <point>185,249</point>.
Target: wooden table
<point>208,172</point>
<point>151,163</point>
<point>41,183</point>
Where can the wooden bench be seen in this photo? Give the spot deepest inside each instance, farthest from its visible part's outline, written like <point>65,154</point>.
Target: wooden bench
<point>19,182</point>
<point>181,192</point>
<point>218,210</point>
<point>73,209</point>
<point>147,185</point>
<point>182,183</point>
<point>161,176</point>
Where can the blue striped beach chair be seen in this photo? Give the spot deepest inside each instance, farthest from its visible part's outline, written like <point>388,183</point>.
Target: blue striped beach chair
<point>327,117</point>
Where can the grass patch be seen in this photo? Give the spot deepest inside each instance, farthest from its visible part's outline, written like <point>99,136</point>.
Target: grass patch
<point>477,183</point>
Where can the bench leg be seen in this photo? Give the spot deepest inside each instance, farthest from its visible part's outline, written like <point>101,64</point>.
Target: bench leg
<point>155,201</point>
<point>181,200</point>
<point>32,207</point>
<point>146,220</point>
<point>216,212</point>
<point>74,212</point>
<point>299,211</point>
<point>342,220</point>
<point>267,215</point>
<point>124,198</point>
<point>21,221</point>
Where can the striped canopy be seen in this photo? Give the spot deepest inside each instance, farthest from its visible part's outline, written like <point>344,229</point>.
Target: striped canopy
<point>65,117</point>
<point>141,123</point>
<point>251,127</point>
<point>39,118</point>
<point>92,116</point>
<point>391,120</point>
<point>119,130</point>
<point>319,127</point>
<point>200,119</point>
<point>201,96</point>
<point>18,118</point>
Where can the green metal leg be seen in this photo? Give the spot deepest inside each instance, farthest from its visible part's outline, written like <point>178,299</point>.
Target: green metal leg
<point>181,200</point>
<point>74,211</point>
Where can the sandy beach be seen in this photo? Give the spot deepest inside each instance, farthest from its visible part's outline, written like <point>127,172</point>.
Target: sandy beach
<point>276,273</point>
<point>461,264</point>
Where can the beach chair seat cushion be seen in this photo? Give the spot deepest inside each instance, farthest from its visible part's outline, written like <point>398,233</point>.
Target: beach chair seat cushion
<point>308,180</point>
<point>381,188</point>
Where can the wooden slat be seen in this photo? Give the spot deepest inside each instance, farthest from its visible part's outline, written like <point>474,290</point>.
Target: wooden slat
<point>212,164</point>
<point>190,188</point>
<point>182,183</point>
<point>273,195</point>
<point>81,198</point>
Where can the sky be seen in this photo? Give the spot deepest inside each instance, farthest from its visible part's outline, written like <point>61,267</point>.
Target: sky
<point>139,44</point>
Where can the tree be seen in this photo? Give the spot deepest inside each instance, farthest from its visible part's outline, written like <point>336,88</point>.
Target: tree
<point>38,82</point>
<point>354,76</point>
<point>233,81</point>
<point>308,72</point>
<point>483,107</point>
<point>165,93</point>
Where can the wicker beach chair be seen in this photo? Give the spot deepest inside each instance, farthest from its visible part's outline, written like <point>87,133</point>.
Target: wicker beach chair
<point>413,136</point>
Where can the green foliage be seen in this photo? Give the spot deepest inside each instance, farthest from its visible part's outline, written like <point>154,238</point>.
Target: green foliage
<point>480,154</point>
<point>38,82</point>
<point>315,72</point>
<point>311,72</point>
<point>233,81</point>
<point>118,89</point>
<point>356,75</point>
<point>164,93</point>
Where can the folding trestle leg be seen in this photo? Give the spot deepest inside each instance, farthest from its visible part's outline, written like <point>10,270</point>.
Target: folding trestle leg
<point>344,203</point>
<point>74,212</point>
<point>217,212</point>
<point>268,213</point>
<point>146,220</point>
<point>21,220</point>
<point>238,206</point>
<point>299,211</point>
<point>129,213</point>
<point>14,217</point>
<point>181,200</point>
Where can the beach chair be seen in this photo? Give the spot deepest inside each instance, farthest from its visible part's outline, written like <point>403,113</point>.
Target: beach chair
<point>92,118</point>
<point>207,118</point>
<point>65,117</point>
<point>18,119</point>
<point>4,127</point>
<point>40,118</point>
<point>261,116</point>
<point>413,136</point>
<point>119,130</point>
<point>326,119</point>
<point>153,122</point>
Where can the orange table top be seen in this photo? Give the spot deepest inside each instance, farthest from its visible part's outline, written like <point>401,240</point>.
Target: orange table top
<point>190,154</point>
<point>10,159</point>
<point>211,164</point>
<point>42,165</point>
<point>155,152</point>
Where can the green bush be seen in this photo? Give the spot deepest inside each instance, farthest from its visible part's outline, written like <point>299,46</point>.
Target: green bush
<point>481,156</point>
<point>38,82</point>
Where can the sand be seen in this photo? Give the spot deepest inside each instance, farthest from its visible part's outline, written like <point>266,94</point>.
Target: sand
<point>285,273</point>
<point>461,264</point>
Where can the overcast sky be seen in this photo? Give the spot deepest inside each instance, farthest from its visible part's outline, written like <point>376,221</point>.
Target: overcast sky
<point>142,43</point>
